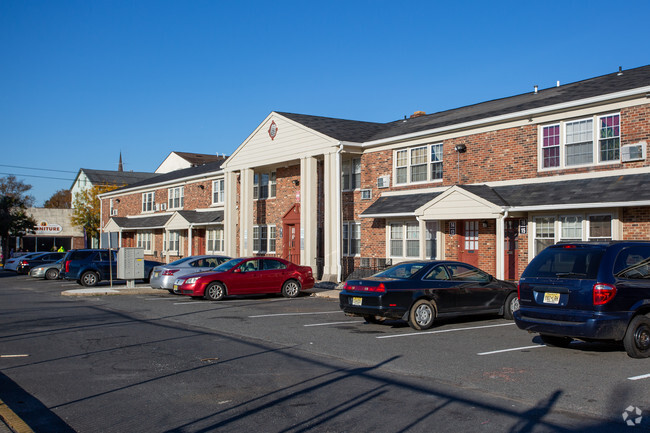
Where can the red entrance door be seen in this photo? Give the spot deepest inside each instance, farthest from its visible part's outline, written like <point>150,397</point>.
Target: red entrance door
<point>510,248</point>
<point>468,248</point>
<point>291,235</point>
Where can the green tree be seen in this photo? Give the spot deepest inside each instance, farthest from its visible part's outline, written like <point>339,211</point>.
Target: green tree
<point>14,220</point>
<point>87,206</point>
<point>62,199</point>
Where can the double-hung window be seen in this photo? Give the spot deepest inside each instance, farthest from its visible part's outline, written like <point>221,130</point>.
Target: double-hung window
<point>264,239</point>
<point>144,240</point>
<point>264,185</point>
<point>404,239</point>
<point>218,191</point>
<point>176,197</point>
<point>571,228</point>
<point>351,174</point>
<point>418,164</point>
<point>174,242</point>
<point>580,142</point>
<point>214,240</point>
<point>351,238</point>
<point>148,202</point>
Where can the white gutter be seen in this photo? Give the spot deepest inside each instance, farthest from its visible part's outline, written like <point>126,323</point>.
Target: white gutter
<point>389,215</point>
<point>179,181</point>
<point>518,114</point>
<point>339,211</point>
<point>578,206</point>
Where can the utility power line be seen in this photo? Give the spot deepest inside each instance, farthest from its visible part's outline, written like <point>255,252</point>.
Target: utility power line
<point>33,175</point>
<point>40,169</point>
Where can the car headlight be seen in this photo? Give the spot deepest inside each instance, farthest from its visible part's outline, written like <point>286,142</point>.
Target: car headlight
<point>192,280</point>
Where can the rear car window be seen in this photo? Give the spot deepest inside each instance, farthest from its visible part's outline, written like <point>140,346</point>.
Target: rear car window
<point>403,270</point>
<point>565,262</point>
<point>79,255</point>
<point>633,263</point>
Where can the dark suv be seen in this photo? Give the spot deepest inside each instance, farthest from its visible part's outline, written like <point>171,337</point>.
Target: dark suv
<point>89,266</point>
<point>589,291</point>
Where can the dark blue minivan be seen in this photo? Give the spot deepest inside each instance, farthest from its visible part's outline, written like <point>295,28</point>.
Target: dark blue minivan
<point>589,291</point>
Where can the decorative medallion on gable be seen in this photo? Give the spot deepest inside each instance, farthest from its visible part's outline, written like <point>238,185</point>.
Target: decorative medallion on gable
<point>273,130</point>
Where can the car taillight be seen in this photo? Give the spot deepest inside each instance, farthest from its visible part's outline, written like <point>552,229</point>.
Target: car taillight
<point>603,293</point>
<point>67,266</point>
<point>169,271</point>
<point>380,288</point>
<point>22,263</point>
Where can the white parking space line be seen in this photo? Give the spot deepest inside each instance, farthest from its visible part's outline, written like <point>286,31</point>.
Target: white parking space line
<point>190,303</point>
<point>335,323</point>
<point>294,314</point>
<point>14,356</point>
<point>643,376</point>
<point>514,349</point>
<point>444,330</point>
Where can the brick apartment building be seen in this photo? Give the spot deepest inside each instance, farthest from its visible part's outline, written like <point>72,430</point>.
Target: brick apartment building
<point>490,184</point>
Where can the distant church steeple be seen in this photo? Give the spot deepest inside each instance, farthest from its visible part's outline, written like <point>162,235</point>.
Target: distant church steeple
<point>119,164</point>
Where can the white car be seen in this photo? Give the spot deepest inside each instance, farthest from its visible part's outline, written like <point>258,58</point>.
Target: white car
<point>12,263</point>
<point>163,276</point>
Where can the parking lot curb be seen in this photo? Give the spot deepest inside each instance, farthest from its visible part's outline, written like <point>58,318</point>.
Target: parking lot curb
<point>13,421</point>
<point>95,291</point>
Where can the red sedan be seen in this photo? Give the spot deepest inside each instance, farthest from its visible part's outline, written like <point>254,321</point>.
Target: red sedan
<point>247,276</point>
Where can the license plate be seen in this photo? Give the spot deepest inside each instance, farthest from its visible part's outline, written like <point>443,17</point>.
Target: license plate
<point>356,301</point>
<point>155,274</point>
<point>175,287</point>
<point>551,298</point>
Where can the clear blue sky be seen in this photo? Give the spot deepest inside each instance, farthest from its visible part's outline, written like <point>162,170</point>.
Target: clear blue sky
<point>81,81</point>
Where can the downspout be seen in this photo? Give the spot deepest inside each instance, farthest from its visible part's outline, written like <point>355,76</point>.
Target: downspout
<point>339,211</point>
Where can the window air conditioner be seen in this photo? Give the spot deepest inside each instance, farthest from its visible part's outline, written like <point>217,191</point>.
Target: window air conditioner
<point>157,206</point>
<point>633,152</point>
<point>383,181</point>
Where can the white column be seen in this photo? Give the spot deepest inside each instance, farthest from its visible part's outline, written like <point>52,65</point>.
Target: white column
<point>230,214</point>
<point>189,240</point>
<point>246,213</point>
<point>500,240</point>
<point>308,211</point>
<point>332,223</point>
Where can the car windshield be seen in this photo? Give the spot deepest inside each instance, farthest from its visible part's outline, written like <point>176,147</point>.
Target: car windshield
<point>227,265</point>
<point>566,261</point>
<point>179,261</point>
<point>402,271</point>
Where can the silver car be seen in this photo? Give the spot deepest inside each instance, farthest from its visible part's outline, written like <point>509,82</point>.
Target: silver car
<point>163,276</point>
<point>12,263</point>
<point>49,271</point>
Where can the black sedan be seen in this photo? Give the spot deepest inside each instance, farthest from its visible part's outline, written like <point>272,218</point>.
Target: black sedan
<point>421,291</point>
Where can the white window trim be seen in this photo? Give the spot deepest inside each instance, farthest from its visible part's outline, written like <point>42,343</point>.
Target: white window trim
<point>428,164</point>
<point>145,195</point>
<point>272,182</point>
<point>557,226</point>
<point>221,191</point>
<point>175,252</point>
<point>348,166</point>
<point>220,241</point>
<point>142,236</point>
<point>404,239</point>
<point>170,198</point>
<point>267,249</point>
<point>595,143</point>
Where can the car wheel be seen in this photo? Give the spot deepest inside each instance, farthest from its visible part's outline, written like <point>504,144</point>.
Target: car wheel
<point>89,279</point>
<point>421,315</point>
<point>171,291</point>
<point>214,292</point>
<point>511,305</point>
<point>51,274</point>
<point>552,340</point>
<point>370,318</point>
<point>637,337</point>
<point>291,288</point>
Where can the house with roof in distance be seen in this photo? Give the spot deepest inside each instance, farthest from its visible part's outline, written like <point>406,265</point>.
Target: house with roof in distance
<point>170,215</point>
<point>179,160</point>
<point>490,184</point>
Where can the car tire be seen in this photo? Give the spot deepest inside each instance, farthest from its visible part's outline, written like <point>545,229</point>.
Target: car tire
<point>171,291</point>
<point>291,288</point>
<point>637,337</point>
<point>370,318</point>
<point>214,292</point>
<point>554,341</point>
<point>510,306</point>
<point>51,274</point>
<point>422,315</point>
<point>89,279</point>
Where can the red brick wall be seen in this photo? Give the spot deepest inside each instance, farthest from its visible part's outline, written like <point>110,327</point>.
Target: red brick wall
<point>636,223</point>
